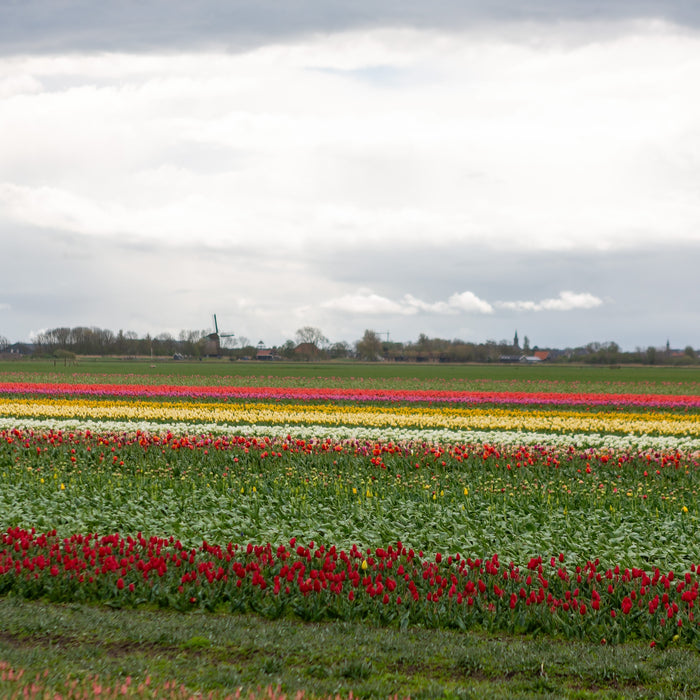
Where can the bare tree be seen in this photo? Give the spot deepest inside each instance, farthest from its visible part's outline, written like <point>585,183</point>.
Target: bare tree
<point>309,334</point>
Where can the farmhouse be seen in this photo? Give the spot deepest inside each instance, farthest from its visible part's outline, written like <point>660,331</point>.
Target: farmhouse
<point>307,351</point>
<point>510,358</point>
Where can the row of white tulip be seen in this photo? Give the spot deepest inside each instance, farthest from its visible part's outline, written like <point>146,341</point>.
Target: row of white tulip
<point>622,443</point>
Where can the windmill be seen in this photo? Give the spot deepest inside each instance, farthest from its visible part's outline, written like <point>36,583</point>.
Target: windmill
<point>213,345</point>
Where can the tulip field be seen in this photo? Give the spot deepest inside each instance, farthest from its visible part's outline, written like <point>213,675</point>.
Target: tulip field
<point>527,506</point>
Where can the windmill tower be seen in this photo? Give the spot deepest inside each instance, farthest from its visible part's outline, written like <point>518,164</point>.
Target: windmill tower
<point>213,344</point>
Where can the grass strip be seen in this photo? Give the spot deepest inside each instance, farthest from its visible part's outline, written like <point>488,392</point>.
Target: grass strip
<point>225,652</point>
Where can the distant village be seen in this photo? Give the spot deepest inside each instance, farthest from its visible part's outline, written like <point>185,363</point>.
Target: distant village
<point>310,344</point>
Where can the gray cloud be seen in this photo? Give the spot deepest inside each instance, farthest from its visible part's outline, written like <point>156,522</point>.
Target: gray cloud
<point>647,296</point>
<point>48,26</point>
<point>636,297</point>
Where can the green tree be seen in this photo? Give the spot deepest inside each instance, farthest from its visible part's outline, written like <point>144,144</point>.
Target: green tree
<point>67,356</point>
<point>339,350</point>
<point>370,347</point>
<point>287,350</point>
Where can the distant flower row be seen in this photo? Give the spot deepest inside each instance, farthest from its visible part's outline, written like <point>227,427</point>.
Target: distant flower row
<point>255,393</point>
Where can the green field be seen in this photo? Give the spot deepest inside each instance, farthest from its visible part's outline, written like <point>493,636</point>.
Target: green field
<point>570,377</point>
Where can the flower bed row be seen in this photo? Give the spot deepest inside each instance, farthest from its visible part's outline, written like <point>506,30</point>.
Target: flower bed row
<point>310,431</point>
<point>401,417</point>
<point>392,584</point>
<point>356,395</point>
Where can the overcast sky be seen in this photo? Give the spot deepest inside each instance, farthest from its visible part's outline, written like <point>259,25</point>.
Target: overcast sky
<point>459,169</point>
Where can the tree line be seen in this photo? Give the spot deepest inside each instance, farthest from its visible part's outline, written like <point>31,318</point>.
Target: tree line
<point>310,343</point>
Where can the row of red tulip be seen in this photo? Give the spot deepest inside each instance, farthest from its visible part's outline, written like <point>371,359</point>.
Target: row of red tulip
<point>389,583</point>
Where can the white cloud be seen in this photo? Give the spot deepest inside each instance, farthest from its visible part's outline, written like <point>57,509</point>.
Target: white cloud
<point>415,305</point>
<point>11,85</point>
<point>570,300</point>
<point>486,140</point>
<point>368,303</point>
<point>50,207</point>
<point>469,302</point>
<point>566,301</point>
